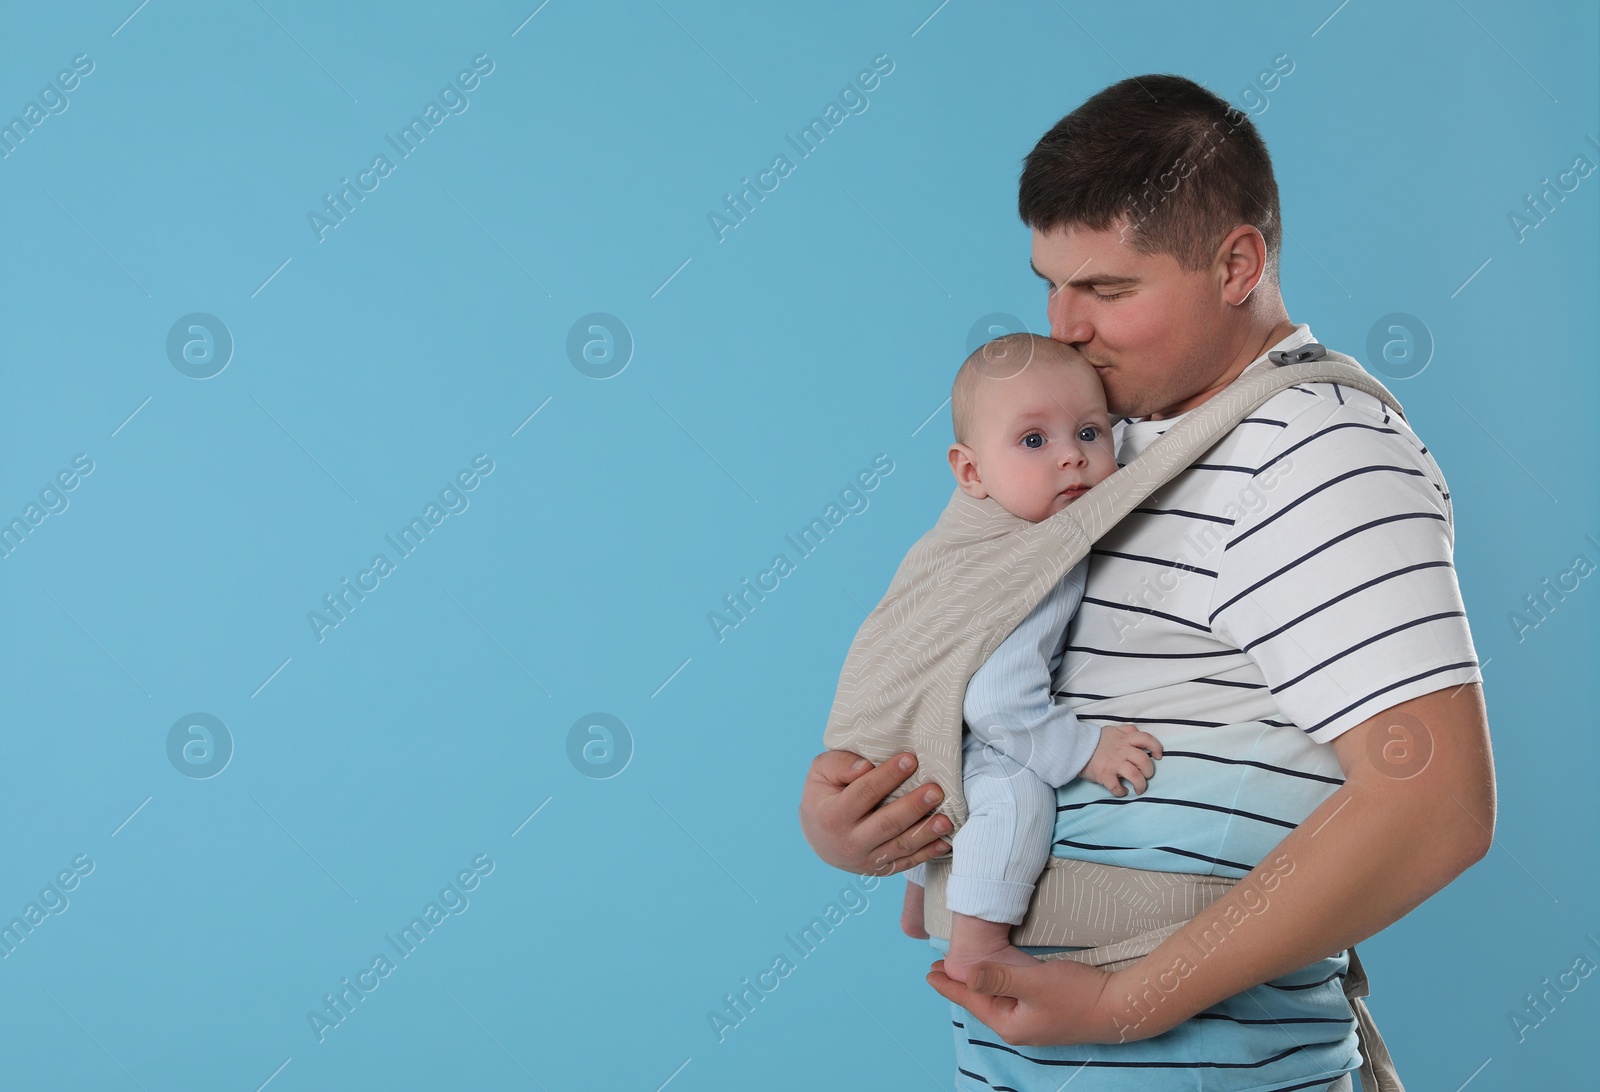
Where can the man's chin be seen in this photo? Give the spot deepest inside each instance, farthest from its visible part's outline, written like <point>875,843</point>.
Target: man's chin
<point>1124,404</point>
<point>1109,383</point>
<point>1117,406</point>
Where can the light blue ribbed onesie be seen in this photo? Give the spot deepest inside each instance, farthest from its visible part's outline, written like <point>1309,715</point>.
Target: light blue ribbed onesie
<point>1018,746</point>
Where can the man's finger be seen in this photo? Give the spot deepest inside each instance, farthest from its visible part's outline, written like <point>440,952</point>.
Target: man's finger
<point>990,978</point>
<point>905,821</point>
<point>921,841</point>
<point>870,786</point>
<point>992,1011</point>
<point>889,859</point>
<point>839,767</point>
<point>891,865</point>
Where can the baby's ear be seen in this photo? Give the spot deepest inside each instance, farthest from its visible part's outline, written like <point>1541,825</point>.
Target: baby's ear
<point>963,466</point>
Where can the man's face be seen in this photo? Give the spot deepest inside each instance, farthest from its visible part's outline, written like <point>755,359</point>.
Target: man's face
<point>1154,332</point>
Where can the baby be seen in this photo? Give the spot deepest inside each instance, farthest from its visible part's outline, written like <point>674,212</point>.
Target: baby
<point>1032,432</point>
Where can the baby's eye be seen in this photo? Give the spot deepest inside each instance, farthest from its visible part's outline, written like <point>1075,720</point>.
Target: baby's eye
<point>1089,433</point>
<point>1027,440</point>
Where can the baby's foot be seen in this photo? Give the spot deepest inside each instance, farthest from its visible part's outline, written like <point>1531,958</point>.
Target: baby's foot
<point>974,941</point>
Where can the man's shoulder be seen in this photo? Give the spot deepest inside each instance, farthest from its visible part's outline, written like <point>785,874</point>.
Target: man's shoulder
<point>1318,435</point>
<point>1327,419</point>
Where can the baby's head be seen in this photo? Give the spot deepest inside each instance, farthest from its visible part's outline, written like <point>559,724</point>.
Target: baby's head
<point>1031,425</point>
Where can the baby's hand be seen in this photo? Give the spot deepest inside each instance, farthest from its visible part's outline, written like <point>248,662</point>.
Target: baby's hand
<point>1123,752</point>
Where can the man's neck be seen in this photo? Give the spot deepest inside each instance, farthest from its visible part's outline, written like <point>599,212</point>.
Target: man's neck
<point>1256,343</point>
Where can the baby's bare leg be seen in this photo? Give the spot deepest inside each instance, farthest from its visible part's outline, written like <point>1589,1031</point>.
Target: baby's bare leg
<point>973,940</point>
<point>911,912</point>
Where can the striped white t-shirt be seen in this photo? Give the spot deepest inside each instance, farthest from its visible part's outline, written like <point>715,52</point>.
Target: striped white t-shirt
<point>1293,582</point>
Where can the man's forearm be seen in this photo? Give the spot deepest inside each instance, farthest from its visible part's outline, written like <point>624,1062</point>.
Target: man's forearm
<point>1416,810</point>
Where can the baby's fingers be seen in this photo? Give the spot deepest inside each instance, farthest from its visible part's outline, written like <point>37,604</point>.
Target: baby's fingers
<point>1142,740</point>
<point>1138,759</point>
<point>1112,783</point>
<point>1146,742</point>
<point>1135,777</point>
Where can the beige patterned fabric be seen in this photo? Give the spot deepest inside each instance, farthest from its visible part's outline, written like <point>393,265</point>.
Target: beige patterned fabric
<point>960,591</point>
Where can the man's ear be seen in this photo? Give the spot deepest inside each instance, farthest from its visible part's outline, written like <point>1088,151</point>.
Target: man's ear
<point>965,469</point>
<point>1241,263</point>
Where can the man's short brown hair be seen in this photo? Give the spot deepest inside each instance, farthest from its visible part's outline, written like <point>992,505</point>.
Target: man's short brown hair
<point>1171,162</point>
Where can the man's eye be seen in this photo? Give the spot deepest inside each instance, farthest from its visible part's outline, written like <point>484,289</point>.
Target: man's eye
<point>1089,433</point>
<point>1112,296</point>
<point>1027,440</point>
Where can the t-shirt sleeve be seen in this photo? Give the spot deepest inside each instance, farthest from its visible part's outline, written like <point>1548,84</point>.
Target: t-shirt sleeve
<point>1008,701</point>
<point>1337,578</point>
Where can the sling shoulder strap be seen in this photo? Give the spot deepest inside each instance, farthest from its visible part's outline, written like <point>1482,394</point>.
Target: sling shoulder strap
<point>1201,428</point>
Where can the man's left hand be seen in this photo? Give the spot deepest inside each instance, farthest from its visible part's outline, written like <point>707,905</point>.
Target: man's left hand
<point>1055,1003</point>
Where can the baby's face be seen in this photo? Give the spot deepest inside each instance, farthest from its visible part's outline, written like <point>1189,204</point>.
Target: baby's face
<point>1042,438</point>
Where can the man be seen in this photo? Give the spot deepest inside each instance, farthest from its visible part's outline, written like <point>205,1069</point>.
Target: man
<point>1298,580</point>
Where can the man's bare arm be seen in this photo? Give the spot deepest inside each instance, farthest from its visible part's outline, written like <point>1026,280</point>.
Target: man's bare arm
<point>1416,810</point>
<point>841,820</point>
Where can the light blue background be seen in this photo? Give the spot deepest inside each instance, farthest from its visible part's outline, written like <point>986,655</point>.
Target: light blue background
<point>768,371</point>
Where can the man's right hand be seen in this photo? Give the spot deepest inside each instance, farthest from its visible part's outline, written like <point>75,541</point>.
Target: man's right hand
<point>840,817</point>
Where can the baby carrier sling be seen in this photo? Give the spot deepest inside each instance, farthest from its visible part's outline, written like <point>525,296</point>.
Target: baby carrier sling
<point>959,593</point>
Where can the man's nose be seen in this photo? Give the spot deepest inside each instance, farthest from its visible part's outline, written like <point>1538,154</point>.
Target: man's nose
<point>1066,321</point>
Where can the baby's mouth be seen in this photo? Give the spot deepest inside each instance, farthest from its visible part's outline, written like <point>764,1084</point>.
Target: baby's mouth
<point>1073,492</point>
